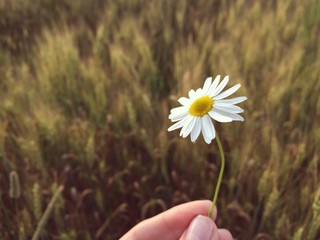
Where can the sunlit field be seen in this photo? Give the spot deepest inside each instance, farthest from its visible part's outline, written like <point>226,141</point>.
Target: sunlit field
<point>85,92</point>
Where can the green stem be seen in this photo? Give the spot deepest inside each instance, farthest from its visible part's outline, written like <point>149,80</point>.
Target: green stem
<point>215,196</point>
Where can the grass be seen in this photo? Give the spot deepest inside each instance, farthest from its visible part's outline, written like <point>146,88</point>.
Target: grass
<point>85,93</point>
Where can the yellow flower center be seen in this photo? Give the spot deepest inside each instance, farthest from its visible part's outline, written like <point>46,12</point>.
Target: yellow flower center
<point>201,106</point>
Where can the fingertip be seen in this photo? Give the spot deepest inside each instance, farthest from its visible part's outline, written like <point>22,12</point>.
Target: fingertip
<point>202,227</point>
<point>224,234</point>
<point>184,234</point>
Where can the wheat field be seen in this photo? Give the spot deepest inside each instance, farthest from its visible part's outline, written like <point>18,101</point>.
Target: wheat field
<point>85,92</point>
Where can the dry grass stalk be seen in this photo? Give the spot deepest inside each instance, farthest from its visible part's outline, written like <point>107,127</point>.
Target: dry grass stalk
<point>42,222</point>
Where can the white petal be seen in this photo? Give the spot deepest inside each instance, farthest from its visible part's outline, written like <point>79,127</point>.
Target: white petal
<point>196,129</point>
<point>213,130</point>
<point>219,117</point>
<point>208,126</point>
<point>228,107</point>
<point>228,92</point>
<point>186,125</point>
<point>191,94</point>
<point>179,124</point>
<point>184,101</point>
<point>207,84</point>
<point>199,93</point>
<point>234,100</point>
<point>214,85</point>
<point>206,138</point>
<point>207,129</point>
<point>220,87</point>
<point>174,117</point>
<point>179,109</point>
<point>233,116</point>
<point>189,127</point>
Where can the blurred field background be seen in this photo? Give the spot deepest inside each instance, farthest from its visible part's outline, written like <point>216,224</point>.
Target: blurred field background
<point>85,92</point>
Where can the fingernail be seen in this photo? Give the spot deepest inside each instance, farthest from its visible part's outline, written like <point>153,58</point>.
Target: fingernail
<point>201,228</point>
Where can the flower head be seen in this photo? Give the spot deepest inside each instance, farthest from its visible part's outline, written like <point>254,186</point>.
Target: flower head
<point>204,104</point>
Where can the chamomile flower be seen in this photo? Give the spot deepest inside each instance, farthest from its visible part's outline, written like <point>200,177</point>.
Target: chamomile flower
<point>206,103</point>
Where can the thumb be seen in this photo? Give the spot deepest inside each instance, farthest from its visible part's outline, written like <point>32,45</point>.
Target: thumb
<point>202,228</point>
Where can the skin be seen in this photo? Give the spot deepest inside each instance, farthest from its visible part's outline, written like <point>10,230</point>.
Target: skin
<point>173,224</point>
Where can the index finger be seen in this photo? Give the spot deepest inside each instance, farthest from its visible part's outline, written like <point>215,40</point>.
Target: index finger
<point>170,224</point>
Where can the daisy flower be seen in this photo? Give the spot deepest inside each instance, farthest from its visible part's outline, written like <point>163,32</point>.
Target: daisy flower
<point>206,103</point>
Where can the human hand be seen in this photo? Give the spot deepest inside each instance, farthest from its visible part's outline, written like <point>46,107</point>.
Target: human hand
<point>184,222</point>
